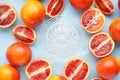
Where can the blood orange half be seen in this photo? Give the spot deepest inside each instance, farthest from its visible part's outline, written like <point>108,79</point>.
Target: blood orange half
<point>38,69</point>
<point>76,69</point>
<point>92,20</point>
<point>101,45</point>
<point>106,6</point>
<point>119,4</point>
<point>8,15</point>
<point>54,7</point>
<point>24,33</point>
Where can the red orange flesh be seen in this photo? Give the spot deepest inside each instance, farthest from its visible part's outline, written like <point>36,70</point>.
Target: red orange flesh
<point>8,15</point>
<point>76,69</point>
<point>101,45</point>
<point>38,69</point>
<point>106,6</point>
<point>92,20</point>
<point>24,33</point>
<point>55,7</point>
<point>119,4</point>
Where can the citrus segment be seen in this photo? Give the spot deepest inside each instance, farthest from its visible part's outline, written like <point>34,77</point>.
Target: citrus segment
<point>24,33</point>
<point>38,69</point>
<point>76,69</point>
<point>92,20</point>
<point>101,45</point>
<point>106,6</point>
<point>8,15</point>
<point>55,7</point>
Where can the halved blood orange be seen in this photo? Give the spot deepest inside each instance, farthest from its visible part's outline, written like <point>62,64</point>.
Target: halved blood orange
<point>119,4</point>
<point>8,15</point>
<point>76,69</point>
<point>96,79</point>
<point>101,45</point>
<point>92,20</point>
<point>24,33</point>
<point>54,7</point>
<point>106,6</point>
<point>38,69</point>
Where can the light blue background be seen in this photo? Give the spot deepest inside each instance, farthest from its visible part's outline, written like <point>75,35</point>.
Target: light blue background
<point>58,62</point>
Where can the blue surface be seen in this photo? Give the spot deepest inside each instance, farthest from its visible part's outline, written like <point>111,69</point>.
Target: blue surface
<point>38,51</point>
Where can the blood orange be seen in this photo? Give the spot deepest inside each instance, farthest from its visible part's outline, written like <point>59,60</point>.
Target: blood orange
<point>18,54</point>
<point>119,4</point>
<point>24,34</point>
<point>101,45</point>
<point>81,4</point>
<point>54,7</point>
<point>92,20</point>
<point>38,69</point>
<point>57,77</point>
<point>8,72</point>
<point>106,6</point>
<point>76,69</point>
<point>114,29</point>
<point>32,13</point>
<point>8,15</point>
<point>108,67</point>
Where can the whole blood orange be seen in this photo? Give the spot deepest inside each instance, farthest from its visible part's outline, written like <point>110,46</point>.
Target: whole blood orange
<point>32,13</point>
<point>108,67</point>
<point>38,69</point>
<point>57,77</point>
<point>18,54</point>
<point>101,45</point>
<point>76,69</point>
<point>106,6</point>
<point>24,33</point>
<point>54,7</point>
<point>81,4</point>
<point>92,20</point>
<point>8,15</point>
<point>8,72</point>
<point>114,29</point>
